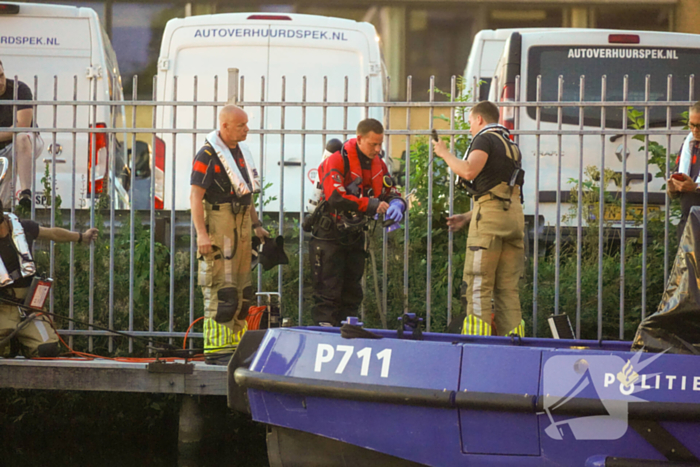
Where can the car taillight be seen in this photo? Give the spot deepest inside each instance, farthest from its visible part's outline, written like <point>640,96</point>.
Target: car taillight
<point>508,113</point>
<point>160,174</point>
<point>99,140</point>
<point>9,9</point>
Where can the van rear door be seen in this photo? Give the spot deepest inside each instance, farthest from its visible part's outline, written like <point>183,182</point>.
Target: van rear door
<point>45,47</point>
<point>208,52</point>
<point>313,52</point>
<point>596,53</point>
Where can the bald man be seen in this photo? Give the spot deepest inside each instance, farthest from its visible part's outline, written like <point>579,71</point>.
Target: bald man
<point>223,181</point>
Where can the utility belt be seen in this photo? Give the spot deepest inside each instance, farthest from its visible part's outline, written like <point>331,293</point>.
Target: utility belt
<point>235,206</point>
<point>501,192</point>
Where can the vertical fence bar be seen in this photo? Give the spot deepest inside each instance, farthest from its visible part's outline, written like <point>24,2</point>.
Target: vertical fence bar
<point>407,190</point>
<point>152,251</point>
<point>171,307</point>
<point>536,239</point>
<point>261,197</point>
<point>324,116</point>
<point>193,245</point>
<point>15,96</point>
<point>645,214</point>
<point>283,114</point>
<point>52,244</point>
<point>113,148</point>
<point>368,238</point>
<point>302,182</point>
<point>345,113</point>
<point>601,207</point>
<point>385,239</point>
<point>132,210</point>
<point>623,207</point>
<point>579,223</point>
<point>667,207</point>
<point>451,205</point>
<point>93,169</point>
<point>34,139</point>
<point>71,253</point>
<point>557,245</point>
<point>429,256</point>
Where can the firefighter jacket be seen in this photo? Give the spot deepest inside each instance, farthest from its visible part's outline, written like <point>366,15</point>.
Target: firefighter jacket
<point>349,188</point>
<point>26,262</point>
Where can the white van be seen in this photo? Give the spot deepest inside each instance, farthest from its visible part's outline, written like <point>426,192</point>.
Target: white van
<point>266,48</point>
<point>593,53</point>
<point>43,41</point>
<point>486,50</point>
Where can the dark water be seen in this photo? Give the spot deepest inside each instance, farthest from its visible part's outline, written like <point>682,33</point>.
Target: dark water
<point>51,428</point>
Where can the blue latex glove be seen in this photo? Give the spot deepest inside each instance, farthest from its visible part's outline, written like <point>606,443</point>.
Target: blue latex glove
<point>395,211</point>
<point>393,227</point>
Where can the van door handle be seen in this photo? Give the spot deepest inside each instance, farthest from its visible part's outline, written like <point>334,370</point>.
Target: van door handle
<point>291,163</point>
<point>633,178</point>
<point>48,160</point>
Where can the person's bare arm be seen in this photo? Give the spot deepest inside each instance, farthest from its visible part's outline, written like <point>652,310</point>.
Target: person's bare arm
<point>60,235</point>
<point>24,120</point>
<point>467,169</point>
<point>203,240</point>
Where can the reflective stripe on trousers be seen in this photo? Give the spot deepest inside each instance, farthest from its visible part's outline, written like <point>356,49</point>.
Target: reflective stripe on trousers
<point>220,338</point>
<point>475,326</point>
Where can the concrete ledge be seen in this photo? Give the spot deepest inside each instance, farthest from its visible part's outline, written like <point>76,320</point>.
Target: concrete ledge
<point>107,375</point>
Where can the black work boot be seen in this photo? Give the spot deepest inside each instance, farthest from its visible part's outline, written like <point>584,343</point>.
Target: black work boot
<point>218,358</point>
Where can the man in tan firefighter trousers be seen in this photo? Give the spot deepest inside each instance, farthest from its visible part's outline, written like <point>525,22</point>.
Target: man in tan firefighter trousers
<point>494,259</point>
<point>222,184</point>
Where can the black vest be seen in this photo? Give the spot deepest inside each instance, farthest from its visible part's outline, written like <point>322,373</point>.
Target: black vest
<point>503,163</point>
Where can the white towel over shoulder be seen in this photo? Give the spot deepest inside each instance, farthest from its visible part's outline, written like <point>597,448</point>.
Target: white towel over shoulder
<point>686,156</point>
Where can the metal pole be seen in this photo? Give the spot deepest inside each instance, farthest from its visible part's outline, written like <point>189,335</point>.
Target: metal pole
<point>71,257</point>
<point>429,256</point>
<point>601,208</point>
<point>451,206</point>
<point>407,188</point>
<point>536,240</point>
<point>193,245</point>
<point>623,209</point>
<point>579,223</point>
<point>557,247</point>
<point>302,182</point>
<point>152,252</point>
<point>645,240</point>
<point>283,114</point>
<point>132,211</point>
<point>52,245</point>
<point>93,169</point>
<point>667,207</point>
<point>171,309</point>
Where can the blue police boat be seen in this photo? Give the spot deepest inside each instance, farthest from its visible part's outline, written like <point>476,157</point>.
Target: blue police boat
<point>452,400</point>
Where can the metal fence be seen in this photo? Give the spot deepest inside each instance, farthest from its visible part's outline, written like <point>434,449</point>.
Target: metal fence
<point>530,131</point>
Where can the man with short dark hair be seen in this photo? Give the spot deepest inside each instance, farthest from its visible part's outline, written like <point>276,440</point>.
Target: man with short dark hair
<point>356,187</point>
<point>26,145</point>
<point>17,269</point>
<point>494,260</point>
<point>685,183</point>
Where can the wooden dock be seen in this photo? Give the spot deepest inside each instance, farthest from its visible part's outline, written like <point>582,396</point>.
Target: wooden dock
<point>180,377</point>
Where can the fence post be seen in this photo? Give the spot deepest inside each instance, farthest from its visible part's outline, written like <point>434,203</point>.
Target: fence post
<point>232,97</point>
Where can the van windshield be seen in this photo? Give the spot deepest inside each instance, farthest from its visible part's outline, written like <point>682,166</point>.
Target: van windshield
<point>615,62</point>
